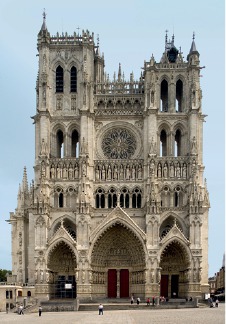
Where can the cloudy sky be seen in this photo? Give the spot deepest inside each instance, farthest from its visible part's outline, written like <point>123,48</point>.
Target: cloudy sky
<point>129,32</point>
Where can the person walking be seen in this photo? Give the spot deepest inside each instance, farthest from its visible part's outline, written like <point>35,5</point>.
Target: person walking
<point>131,300</point>
<point>21,310</point>
<point>40,311</point>
<point>101,309</point>
<point>138,300</point>
<point>216,302</point>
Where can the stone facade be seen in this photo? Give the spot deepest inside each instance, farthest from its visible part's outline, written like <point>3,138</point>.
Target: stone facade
<point>119,204</point>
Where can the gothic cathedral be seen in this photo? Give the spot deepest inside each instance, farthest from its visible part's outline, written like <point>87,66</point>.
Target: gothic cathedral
<point>119,205</point>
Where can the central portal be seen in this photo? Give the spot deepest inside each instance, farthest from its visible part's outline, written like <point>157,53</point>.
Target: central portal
<point>118,283</point>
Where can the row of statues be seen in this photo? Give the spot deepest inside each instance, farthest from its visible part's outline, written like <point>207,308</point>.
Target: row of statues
<point>117,172</point>
<point>172,170</point>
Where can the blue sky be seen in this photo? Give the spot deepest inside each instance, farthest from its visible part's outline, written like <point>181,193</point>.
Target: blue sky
<point>129,31</point>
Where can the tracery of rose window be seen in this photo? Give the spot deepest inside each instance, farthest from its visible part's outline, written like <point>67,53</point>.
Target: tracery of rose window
<point>119,143</point>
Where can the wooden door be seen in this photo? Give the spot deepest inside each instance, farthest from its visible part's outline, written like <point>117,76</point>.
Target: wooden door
<point>164,285</point>
<point>112,283</point>
<point>124,283</point>
<point>174,286</point>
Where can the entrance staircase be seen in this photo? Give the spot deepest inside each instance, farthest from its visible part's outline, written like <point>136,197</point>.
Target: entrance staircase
<point>124,304</point>
<point>67,304</point>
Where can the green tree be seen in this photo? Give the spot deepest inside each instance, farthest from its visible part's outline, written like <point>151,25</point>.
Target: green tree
<point>3,273</point>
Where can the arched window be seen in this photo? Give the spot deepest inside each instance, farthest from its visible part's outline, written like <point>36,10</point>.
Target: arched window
<point>100,198</point>
<point>73,79</point>
<point>61,200</point>
<point>74,144</point>
<point>179,95</point>
<point>164,96</point>
<point>136,198</point>
<point>59,79</point>
<point>70,197</point>
<point>178,197</point>
<point>165,197</point>
<point>60,144</point>
<point>177,150</point>
<point>124,198</point>
<point>163,143</point>
<point>58,198</point>
<point>112,198</point>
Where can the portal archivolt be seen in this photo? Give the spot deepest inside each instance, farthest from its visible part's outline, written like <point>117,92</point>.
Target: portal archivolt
<point>61,259</point>
<point>118,247</point>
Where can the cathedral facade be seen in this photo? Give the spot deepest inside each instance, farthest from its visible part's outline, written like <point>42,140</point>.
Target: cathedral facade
<point>119,204</point>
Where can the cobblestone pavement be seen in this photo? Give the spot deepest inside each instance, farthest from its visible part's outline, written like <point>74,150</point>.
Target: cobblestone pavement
<point>163,316</point>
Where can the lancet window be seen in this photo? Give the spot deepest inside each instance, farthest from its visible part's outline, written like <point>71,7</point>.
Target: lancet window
<point>100,198</point>
<point>73,79</point>
<point>74,144</point>
<point>177,150</point>
<point>163,143</point>
<point>136,198</point>
<point>59,198</point>
<point>59,144</point>
<point>124,198</point>
<point>164,96</point>
<point>59,79</point>
<point>112,198</point>
<point>178,197</point>
<point>179,96</point>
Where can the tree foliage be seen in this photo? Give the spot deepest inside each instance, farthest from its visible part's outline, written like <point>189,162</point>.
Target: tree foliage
<point>3,273</point>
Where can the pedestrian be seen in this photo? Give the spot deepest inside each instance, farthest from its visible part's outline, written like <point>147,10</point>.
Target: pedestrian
<point>40,311</point>
<point>148,301</point>
<point>131,300</point>
<point>138,300</point>
<point>21,310</point>
<point>101,309</point>
<point>153,300</point>
<point>216,302</point>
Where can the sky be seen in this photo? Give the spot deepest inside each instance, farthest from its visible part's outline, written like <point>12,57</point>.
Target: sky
<point>129,33</point>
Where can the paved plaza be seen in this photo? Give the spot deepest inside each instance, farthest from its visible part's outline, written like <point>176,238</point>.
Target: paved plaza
<point>158,316</point>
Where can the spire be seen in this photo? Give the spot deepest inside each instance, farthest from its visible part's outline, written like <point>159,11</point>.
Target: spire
<point>193,52</point>
<point>119,72</point>
<point>193,46</point>
<point>44,21</point>
<point>25,183</point>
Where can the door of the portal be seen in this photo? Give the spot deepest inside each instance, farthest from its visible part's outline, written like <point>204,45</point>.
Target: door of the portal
<point>112,283</point>
<point>118,278</point>
<point>124,283</point>
<point>174,286</point>
<point>164,285</point>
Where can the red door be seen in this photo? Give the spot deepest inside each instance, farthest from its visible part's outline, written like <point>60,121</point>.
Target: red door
<point>112,283</point>
<point>164,285</point>
<point>124,283</point>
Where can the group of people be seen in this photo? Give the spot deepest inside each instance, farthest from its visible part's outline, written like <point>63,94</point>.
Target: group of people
<point>21,310</point>
<point>149,300</point>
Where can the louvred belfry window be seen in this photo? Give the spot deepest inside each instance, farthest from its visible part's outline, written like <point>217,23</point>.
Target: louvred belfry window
<point>73,79</point>
<point>59,79</point>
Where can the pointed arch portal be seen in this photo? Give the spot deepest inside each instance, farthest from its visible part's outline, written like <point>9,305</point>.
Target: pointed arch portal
<point>174,265</point>
<point>118,263</point>
<point>62,263</point>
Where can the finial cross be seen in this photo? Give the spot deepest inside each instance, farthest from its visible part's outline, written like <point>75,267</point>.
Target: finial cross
<point>44,14</point>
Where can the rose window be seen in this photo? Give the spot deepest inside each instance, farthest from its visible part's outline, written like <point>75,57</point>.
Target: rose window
<point>119,143</point>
